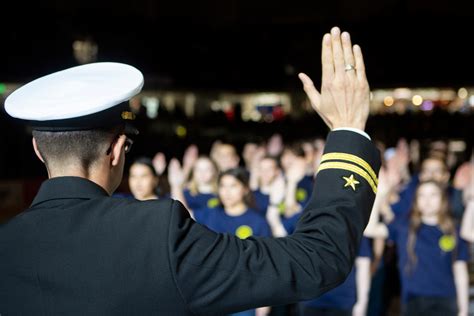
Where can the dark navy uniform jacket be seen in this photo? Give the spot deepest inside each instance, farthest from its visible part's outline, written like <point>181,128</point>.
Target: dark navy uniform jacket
<point>77,251</point>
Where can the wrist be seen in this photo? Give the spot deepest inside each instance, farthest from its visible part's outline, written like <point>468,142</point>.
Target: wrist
<point>354,130</point>
<point>356,125</point>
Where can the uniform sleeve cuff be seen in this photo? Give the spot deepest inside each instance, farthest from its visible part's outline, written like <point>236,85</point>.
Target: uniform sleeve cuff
<point>355,130</point>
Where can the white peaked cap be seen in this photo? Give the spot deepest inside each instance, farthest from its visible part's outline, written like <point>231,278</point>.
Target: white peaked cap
<point>80,92</point>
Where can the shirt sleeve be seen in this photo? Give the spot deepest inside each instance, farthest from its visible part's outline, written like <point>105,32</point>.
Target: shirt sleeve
<point>221,274</point>
<point>365,249</point>
<point>457,203</point>
<point>462,249</point>
<point>355,130</point>
<point>200,215</point>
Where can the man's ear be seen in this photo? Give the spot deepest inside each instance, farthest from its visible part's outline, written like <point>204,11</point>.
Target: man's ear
<point>37,152</point>
<point>117,149</point>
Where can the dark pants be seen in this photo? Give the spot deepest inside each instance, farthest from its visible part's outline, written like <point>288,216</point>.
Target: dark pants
<point>313,311</point>
<point>431,306</point>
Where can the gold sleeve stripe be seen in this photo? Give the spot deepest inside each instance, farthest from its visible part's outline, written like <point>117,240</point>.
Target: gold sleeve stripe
<point>354,159</point>
<point>349,167</point>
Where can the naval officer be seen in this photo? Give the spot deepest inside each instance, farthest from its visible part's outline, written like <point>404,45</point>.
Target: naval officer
<point>77,251</point>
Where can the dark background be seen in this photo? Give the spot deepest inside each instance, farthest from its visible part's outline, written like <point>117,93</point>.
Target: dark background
<point>241,45</point>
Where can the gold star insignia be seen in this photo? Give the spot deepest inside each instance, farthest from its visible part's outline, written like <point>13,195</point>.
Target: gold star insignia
<point>351,182</point>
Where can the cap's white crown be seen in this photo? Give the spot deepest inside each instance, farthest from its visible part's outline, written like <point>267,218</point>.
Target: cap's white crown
<point>75,92</point>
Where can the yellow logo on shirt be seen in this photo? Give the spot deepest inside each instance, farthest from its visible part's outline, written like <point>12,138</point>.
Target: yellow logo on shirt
<point>244,232</point>
<point>447,243</point>
<point>301,195</point>
<point>212,203</point>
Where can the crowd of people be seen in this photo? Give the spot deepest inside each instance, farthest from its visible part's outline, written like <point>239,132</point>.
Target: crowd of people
<point>415,248</point>
<point>77,250</point>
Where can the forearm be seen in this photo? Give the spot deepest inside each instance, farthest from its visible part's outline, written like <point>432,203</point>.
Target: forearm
<point>467,225</point>
<point>187,171</point>
<point>274,220</point>
<point>461,279</point>
<point>253,181</point>
<point>363,280</point>
<point>373,227</point>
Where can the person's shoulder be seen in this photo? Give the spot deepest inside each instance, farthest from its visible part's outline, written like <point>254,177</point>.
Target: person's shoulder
<point>157,215</point>
<point>132,208</point>
<point>137,204</point>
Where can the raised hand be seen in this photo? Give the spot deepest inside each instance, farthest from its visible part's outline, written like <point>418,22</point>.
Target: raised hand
<point>277,192</point>
<point>463,176</point>
<point>175,174</point>
<point>297,171</point>
<point>159,163</point>
<point>344,98</point>
<point>190,156</point>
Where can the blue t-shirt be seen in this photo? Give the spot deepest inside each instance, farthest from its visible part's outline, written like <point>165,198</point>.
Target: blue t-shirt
<point>406,198</point>
<point>290,222</point>
<point>345,295</point>
<point>243,226</point>
<point>123,195</point>
<point>262,201</point>
<point>304,189</point>
<point>200,200</point>
<point>432,274</point>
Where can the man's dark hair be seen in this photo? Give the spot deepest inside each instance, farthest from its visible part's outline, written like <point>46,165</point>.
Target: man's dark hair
<point>83,147</point>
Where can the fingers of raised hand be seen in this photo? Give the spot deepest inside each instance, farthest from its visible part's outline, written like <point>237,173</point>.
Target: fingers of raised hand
<point>159,163</point>
<point>337,52</point>
<point>359,64</point>
<point>174,165</point>
<point>349,59</point>
<point>327,59</point>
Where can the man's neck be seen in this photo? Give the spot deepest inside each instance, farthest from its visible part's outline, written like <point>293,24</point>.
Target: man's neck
<point>93,175</point>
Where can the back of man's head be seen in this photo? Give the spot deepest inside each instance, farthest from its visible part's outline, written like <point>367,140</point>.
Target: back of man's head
<point>65,149</point>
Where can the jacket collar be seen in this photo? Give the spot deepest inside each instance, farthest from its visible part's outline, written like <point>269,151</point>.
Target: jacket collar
<point>68,188</point>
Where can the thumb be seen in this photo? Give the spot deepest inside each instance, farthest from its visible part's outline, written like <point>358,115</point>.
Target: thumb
<point>311,91</point>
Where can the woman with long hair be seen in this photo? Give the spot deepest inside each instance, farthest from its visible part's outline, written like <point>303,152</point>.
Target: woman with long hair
<point>235,214</point>
<point>432,257</point>
<point>143,179</point>
<point>201,191</point>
